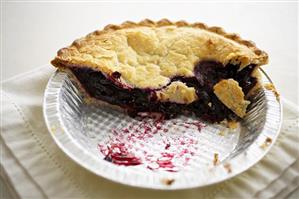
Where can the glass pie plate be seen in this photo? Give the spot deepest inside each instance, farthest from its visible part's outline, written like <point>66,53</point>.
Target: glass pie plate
<point>150,152</point>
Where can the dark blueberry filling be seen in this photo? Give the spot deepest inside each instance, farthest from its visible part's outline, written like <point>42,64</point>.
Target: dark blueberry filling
<point>207,74</point>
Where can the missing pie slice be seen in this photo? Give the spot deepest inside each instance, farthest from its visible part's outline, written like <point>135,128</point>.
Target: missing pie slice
<point>166,67</point>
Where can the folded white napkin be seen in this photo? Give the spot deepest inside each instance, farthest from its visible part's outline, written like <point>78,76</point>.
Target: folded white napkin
<point>34,166</point>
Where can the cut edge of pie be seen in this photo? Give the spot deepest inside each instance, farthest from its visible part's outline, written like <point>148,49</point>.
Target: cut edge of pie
<point>166,67</point>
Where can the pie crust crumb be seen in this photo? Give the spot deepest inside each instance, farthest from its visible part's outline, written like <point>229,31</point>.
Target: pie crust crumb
<point>232,124</point>
<point>266,143</point>
<point>221,133</point>
<point>216,159</point>
<point>227,167</point>
<point>167,181</point>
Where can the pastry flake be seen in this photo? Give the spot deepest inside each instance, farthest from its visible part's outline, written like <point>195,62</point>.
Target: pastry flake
<point>177,92</point>
<point>230,93</point>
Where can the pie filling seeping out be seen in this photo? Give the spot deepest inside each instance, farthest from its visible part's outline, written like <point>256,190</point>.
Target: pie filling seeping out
<point>166,67</point>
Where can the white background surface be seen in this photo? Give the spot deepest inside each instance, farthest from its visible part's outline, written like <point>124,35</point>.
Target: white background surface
<point>33,32</point>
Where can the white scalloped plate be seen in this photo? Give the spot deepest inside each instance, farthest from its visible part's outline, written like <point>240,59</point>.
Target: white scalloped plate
<point>174,154</point>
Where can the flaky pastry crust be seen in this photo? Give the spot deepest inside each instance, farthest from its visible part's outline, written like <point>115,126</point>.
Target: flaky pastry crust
<point>148,53</point>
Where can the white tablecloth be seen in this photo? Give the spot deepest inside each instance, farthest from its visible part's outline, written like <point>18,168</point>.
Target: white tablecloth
<point>34,167</point>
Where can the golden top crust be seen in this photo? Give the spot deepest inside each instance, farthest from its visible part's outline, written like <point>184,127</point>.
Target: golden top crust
<point>231,95</point>
<point>148,54</point>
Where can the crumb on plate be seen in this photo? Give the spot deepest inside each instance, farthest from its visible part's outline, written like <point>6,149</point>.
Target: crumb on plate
<point>221,133</point>
<point>167,181</point>
<point>228,167</point>
<point>216,159</point>
<point>266,143</point>
<point>232,124</point>
<point>53,129</point>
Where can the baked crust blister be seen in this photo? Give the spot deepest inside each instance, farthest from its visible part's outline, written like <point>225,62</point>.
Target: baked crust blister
<point>148,54</point>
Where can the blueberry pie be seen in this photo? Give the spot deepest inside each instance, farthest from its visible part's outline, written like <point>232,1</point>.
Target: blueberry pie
<point>166,67</point>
